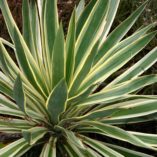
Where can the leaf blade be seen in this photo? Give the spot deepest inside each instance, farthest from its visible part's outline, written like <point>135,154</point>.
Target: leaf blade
<point>58,58</point>
<point>19,95</point>
<point>56,102</point>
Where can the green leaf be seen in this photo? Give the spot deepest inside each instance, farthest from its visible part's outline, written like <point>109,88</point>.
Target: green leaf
<point>80,9</point>
<point>76,144</point>
<point>137,69</point>
<point>119,90</point>
<point>23,55</point>
<point>58,79</point>
<point>112,10</point>
<point>82,95</point>
<point>100,147</point>
<point>70,49</point>
<point>35,26</point>
<point>11,112</point>
<point>99,114</point>
<point>58,58</point>
<point>50,23</point>
<point>124,110</point>
<point>76,152</point>
<point>15,147</point>
<point>70,151</point>
<point>34,134</point>
<point>5,42</point>
<point>84,16</point>
<point>42,43</point>
<point>19,95</point>
<point>56,103</point>
<point>29,68</point>
<point>3,64</point>
<point>49,149</point>
<point>117,133</point>
<point>77,80</point>
<point>138,109</point>
<point>119,32</point>
<point>27,30</point>
<point>6,88</point>
<point>8,64</point>
<point>89,35</point>
<point>124,43</point>
<point>150,139</point>
<point>92,153</point>
<point>14,71</point>
<point>4,101</point>
<point>24,150</point>
<point>8,18</point>
<point>123,151</point>
<point>15,123</point>
<point>135,120</point>
<point>116,61</point>
<point>128,152</point>
<point>37,117</point>
<point>37,107</point>
<point>5,79</point>
<point>73,139</point>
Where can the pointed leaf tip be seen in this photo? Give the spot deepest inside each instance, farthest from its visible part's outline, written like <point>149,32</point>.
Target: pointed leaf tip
<point>56,103</point>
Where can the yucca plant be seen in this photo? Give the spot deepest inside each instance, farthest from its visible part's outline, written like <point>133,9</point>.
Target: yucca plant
<point>51,96</point>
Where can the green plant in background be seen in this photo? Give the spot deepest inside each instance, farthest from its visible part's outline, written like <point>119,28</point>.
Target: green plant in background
<point>51,96</point>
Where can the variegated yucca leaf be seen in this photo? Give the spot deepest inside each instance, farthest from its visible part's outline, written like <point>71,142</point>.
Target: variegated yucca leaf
<point>50,95</point>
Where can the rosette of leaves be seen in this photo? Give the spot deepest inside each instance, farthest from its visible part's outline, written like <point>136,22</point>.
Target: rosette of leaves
<point>51,94</point>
